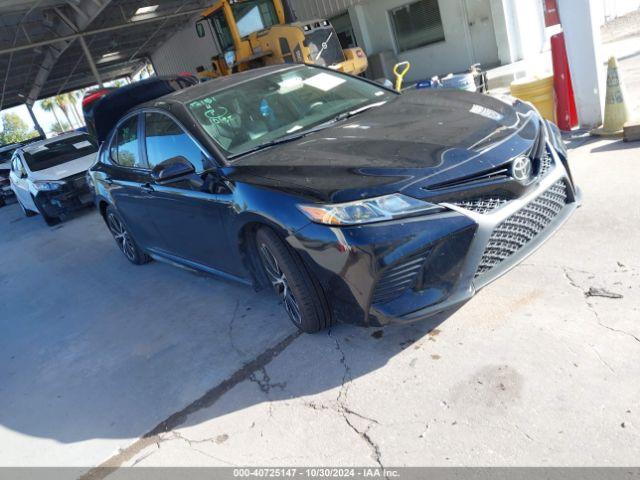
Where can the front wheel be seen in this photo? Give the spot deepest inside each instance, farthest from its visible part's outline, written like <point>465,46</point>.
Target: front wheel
<point>301,295</point>
<point>123,238</point>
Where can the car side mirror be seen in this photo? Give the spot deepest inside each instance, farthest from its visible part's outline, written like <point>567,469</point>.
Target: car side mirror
<point>172,169</point>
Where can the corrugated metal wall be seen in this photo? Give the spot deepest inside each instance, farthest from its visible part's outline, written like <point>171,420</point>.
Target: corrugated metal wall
<point>308,9</point>
<point>184,51</point>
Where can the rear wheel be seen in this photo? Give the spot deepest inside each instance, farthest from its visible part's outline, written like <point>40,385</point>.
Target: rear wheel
<point>123,238</point>
<point>301,295</point>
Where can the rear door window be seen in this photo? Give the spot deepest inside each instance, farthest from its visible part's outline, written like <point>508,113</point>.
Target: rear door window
<point>125,146</point>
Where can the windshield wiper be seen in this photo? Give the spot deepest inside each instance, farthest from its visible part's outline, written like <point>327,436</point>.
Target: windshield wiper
<point>353,113</point>
<point>277,141</point>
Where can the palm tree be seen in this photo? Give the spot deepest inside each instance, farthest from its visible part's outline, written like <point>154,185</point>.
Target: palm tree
<point>73,102</point>
<point>62,101</point>
<point>48,105</point>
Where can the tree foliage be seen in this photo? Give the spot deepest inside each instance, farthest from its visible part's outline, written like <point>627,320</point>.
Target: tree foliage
<point>60,127</point>
<point>14,129</point>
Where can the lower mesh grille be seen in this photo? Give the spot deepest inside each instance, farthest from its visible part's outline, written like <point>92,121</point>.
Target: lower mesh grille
<point>546,162</point>
<point>483,205</point>
<point>523,226</point>
<point>397,279</point>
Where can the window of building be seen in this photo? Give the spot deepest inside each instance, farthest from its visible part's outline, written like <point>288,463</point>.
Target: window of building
<point>417,24</point>
<point>125,147</point>
<point>165,139</point>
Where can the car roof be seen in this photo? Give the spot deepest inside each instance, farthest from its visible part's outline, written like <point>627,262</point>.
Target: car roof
<point>36,145</point>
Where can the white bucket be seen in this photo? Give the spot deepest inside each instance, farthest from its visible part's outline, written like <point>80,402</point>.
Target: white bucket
<point>461,81</point>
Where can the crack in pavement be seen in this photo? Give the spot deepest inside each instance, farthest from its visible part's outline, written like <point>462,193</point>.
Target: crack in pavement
<point>602,360</point>
<point>265,384</point>
<point>188,441</point>
<point>345,411</point>
<point>592,307</point>
<point>230,330</point>
<point>179,418</point>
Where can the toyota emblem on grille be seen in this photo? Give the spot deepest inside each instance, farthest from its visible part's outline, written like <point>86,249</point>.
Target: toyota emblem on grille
<point>521,169</point>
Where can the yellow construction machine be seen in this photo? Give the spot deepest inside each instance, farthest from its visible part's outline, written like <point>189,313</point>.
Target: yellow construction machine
<point>255,33</point>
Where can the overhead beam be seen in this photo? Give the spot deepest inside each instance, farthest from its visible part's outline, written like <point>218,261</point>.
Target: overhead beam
<point>57,47</point>
<point>92,64</point>
<point>75,36</point>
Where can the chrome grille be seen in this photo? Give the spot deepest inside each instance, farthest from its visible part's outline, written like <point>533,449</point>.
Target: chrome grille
<point>523,226</point>
<point>483,205</point>
<point>398,278</point>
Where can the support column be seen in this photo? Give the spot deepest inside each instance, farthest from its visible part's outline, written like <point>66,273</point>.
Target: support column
<point>92,64</point>
<point>35,120</point>
<point>581,27</point>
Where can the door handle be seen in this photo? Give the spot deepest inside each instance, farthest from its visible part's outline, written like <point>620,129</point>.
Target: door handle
<point>147,187</point>
<point>108,180</point>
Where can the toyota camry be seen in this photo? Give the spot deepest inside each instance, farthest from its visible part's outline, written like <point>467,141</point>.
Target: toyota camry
<point>352,202</point>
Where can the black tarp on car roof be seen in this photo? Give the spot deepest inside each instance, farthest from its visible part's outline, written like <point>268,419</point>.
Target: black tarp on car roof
<point>103,114</point>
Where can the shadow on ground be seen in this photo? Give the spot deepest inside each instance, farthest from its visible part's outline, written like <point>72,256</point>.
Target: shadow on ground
<point>615,146</point>
<point>93,347</point>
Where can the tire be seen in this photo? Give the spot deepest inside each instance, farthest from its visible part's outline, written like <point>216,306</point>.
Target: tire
<point>123,238</point>
<point>2,201</point>
<point>27,213</point>
<point>300,293</point>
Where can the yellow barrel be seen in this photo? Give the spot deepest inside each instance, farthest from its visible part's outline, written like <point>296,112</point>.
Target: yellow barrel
<point>539,91</point>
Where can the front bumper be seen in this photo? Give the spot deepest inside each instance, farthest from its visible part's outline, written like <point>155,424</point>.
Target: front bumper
<point>440,261</point>
<point>74,195</point>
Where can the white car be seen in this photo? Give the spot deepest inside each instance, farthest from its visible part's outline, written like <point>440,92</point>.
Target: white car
<point>49,177</point>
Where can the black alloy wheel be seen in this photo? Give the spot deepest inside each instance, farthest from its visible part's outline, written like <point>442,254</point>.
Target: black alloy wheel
<point>280,284</point>
<point>123,239</point>
<point>300,294</point>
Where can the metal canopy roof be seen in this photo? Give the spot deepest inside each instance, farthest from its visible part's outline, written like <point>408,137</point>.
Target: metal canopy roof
<point>41,42</point>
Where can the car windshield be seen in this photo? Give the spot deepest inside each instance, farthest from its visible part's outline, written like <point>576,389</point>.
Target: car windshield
<point>58,152</point>
<point>280,105</point>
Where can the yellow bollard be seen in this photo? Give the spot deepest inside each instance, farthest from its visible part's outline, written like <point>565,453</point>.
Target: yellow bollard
<point>538,91</point>
<point>400,74</point>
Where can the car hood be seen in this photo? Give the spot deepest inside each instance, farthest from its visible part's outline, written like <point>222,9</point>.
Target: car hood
<point>425,137</point>
<point>64,170</point>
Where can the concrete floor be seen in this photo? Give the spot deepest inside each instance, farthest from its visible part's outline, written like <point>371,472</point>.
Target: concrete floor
<point>95,353</point>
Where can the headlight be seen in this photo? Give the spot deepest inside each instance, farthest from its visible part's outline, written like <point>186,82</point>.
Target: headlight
<point>47,186</point>
<point>370,210</point>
